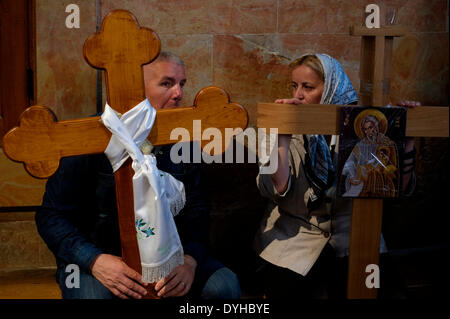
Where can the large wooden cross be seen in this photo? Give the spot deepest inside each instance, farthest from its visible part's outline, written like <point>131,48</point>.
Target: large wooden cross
<point>120,48</point>
<point>375,65</point>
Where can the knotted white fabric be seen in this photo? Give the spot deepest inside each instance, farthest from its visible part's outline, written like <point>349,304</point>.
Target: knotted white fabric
<point>158,196</point>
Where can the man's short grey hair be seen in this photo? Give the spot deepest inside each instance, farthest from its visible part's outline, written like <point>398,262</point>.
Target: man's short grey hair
<point>169,57</point>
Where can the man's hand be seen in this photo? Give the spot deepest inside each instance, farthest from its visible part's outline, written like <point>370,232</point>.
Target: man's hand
<point>179,281</point>
<point>121,280</point>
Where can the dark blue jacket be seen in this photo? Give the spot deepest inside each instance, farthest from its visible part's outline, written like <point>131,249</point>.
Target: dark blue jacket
<point>78,216</point>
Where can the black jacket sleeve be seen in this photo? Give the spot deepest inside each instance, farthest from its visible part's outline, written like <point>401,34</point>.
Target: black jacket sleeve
<point>64,218</point>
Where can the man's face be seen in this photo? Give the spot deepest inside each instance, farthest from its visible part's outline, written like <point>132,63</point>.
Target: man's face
<point>370,131</point>
<point>164,81</point>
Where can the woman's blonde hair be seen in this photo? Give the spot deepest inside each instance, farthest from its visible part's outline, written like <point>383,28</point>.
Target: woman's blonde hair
<point>311,61</point>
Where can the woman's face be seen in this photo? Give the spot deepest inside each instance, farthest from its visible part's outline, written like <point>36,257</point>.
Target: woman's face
<point>307,85</point>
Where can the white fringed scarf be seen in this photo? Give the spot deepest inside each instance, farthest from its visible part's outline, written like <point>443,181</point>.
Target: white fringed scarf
<point>158,196</point>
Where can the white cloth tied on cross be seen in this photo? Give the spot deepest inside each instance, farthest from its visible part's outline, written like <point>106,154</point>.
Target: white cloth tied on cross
<point>158,196</point>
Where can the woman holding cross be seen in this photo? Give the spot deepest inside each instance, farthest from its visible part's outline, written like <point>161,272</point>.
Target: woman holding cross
<point>304,235</point>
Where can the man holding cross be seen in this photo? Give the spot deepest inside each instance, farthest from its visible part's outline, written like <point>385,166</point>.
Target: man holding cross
<point>78,216</point>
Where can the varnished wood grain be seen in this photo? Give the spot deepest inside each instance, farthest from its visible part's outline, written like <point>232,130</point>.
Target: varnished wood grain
<point>364,245</point>
<point>29,284</point>
<point>121,47</point>
<point>212,106</point>
<point>367,56</point>
<point>375,62</point>
<point>378,71</point>
<point>39,141</point>
<point>365,233</point>
<point>425,121</point>
<point>299,119</point>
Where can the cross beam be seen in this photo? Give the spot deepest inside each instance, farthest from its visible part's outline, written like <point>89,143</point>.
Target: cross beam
<point>40,141</point>
<point>375,62</point>
<point>424,121</point>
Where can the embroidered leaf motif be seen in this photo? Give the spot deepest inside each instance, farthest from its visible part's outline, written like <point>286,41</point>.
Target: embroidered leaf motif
<point>141,229</point>
<point>140,223</point>
<point>149,231</point>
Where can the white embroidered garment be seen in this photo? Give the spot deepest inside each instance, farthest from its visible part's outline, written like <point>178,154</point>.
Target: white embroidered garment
<point>158,196</point>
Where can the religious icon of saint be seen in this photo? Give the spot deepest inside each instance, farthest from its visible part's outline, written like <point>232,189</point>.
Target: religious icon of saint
<point>371,156</point>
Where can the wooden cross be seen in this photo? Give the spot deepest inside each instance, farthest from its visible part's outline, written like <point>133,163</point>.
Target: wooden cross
<point>120,48</point>
<point>426,121</point>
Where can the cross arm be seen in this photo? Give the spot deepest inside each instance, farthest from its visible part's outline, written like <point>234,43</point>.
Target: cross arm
<point>425,121</point>
<point>40,141</point>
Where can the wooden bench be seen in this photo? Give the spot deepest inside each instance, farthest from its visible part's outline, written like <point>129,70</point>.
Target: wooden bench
<point>29,284</point>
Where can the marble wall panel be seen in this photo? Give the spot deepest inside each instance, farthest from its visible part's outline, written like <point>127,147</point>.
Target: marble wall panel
<point>422,15</point>
<point>420,68</point>
<point>201,16</point>
<point>19,245</point>
<point>251,16</point>
<point>248,71</point>
<point>297,16</point>
<point>175,17</point>
<point>322,16</point>
<point>65,82</point>
<point>17,188</point>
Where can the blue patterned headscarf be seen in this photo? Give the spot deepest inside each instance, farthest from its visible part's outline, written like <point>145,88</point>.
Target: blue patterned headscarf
<point>338,89</point>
